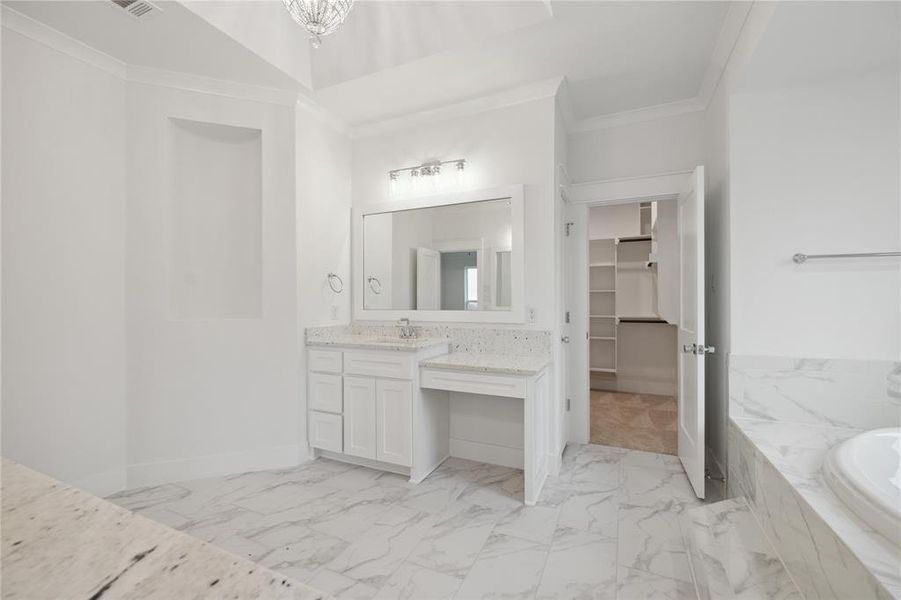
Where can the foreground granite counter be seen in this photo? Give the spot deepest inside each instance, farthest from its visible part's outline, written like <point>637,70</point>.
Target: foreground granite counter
<point>505,364</point>
<point>61,542</point>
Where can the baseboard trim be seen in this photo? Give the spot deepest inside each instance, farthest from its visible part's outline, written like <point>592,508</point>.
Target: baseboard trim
<point>103,484</point>
<point>365,462</point>
<point>487,453</point>
<point>217,465</point>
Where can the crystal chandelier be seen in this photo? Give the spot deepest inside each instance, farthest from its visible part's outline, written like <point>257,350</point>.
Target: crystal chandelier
<point>319,17</point>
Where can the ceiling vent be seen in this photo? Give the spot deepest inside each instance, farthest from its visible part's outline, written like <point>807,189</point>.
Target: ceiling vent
<point>138,9</point>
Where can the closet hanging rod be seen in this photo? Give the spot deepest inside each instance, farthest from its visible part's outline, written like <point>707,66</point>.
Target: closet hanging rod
<point>801,258</point>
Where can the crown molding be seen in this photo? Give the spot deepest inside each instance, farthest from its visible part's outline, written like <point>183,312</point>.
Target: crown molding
<point>208,85</point>
<point>730,30</point>
<point>527,93</point>
<point>639,115</point>
<point>317,111</point>
<point>44,34</point>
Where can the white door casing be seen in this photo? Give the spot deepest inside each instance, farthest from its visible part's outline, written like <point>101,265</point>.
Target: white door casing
<point>575,278</point>
<point>691,330</point>
<point>428,279</point>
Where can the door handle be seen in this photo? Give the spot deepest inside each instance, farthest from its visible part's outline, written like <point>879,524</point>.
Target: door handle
<point>698,349</point>
<point>565,339</point>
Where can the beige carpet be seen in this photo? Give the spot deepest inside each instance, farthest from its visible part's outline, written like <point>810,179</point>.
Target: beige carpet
<point>635,421</point>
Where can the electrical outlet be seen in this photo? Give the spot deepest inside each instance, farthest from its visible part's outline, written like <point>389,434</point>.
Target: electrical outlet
<point>531,314</point>
<point>333,312</point>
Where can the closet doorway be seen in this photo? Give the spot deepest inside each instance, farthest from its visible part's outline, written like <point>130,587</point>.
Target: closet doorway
<point>633,287</point>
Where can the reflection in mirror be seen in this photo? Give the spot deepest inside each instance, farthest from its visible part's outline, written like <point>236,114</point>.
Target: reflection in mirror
<point>454,257</point>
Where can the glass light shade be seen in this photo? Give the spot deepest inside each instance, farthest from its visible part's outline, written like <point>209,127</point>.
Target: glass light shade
<point>319,17</point>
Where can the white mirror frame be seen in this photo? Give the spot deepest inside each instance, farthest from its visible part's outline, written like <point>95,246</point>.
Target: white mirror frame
<point>516,314</point>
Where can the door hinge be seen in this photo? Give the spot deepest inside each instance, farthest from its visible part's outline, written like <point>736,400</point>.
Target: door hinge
<point>568,404</point>
<point>569,228</point>
<point>566,317</point>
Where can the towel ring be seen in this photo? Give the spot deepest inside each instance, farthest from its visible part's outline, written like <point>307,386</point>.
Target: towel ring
<point>331,283</point>
<point>374,284</point>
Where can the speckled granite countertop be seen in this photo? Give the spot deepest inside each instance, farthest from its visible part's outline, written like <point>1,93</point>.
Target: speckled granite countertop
<point>365,342</point>
<point>504,364</point>
<point>61,542</point>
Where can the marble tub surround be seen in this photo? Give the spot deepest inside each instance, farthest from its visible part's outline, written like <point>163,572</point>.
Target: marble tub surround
<point>489,363</point>
<point>487,340</point>
<point>832,393</point>
<point>828,550</point>
<point>730,555</point>
<point>61,542</point>
<point>607,527</point>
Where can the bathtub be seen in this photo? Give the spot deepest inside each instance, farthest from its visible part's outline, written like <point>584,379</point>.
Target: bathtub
<point>865,473</point>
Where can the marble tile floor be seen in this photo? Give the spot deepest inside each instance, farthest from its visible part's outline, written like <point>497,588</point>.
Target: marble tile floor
<point>637,421</point>
<point>608,527</point>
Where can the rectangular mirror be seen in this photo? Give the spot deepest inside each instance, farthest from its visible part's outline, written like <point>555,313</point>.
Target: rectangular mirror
<point>455,257</point>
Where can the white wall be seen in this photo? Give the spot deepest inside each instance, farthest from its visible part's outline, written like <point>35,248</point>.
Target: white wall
<point>322,225</point>
<point>510,145</point>
<point>63,265</point>
<point>670,145</point>
<point>505,146</point>
<point>815,169</point>
<point>717,297</point>
<point>208,395</point>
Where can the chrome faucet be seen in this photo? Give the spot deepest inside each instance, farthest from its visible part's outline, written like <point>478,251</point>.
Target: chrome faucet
<point>407,331</point>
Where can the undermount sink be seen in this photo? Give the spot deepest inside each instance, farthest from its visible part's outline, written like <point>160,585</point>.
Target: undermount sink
<point>865,473</point>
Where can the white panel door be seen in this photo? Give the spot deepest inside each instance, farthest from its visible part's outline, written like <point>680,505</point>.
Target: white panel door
<point>394,402</point>
<point>691,330</point>
<point>359,417</point>
<point>428,279</point>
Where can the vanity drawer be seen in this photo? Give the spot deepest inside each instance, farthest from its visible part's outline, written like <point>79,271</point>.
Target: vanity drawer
<point>472,382</point>
<point>379,364</point>
<point>326,361</point>
<point>326,431</point>
<point>326,392</point>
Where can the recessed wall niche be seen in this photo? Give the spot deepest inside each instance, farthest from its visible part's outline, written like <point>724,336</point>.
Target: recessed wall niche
<point>215,218</point>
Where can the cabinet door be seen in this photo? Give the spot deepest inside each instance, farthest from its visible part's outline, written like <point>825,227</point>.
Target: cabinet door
<point>325,392</point>
<point>359,417</point>
<point>394,400</point>
<point>325,431</point>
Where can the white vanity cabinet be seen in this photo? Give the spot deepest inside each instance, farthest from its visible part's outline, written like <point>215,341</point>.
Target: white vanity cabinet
<point>359,417</point>
<point>363,404</point>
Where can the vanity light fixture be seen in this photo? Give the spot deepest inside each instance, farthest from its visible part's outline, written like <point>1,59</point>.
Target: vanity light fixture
<point>431,170</point>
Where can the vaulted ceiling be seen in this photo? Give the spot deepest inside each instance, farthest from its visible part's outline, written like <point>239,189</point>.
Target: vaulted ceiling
<point>395,57</point>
